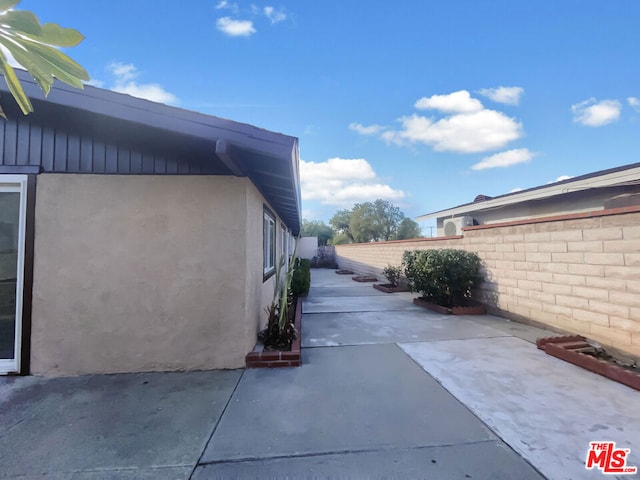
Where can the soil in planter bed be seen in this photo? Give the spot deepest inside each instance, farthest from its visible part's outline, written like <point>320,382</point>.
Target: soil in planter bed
<point>272,344</point>
<point>601,354</point>
<point>387,287</point>
<point>465,303</point>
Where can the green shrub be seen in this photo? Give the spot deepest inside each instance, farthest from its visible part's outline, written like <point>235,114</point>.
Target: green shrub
<point>392,274</point>
<point>301,276</point>
<point>444,276</point>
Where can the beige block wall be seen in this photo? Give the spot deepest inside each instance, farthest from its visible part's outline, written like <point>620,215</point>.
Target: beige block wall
<point>578,275</point>
<point>145,273</point>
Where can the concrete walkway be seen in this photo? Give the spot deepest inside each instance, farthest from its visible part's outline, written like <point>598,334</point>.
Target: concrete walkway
<point>386,390</point>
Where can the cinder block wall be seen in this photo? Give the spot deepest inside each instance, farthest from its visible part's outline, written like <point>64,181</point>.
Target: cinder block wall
<point>577,273</point>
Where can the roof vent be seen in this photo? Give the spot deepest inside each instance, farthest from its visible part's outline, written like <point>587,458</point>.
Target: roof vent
<point>481,198</point>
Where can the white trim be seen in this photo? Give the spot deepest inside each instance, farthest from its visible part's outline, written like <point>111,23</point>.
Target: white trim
<point>284,245</point>
<point>268,242</point>
<point>18,184</point>
<point>631,175</point>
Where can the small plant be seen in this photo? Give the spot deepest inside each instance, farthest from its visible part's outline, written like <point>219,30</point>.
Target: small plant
<point>444,276</point>
<point>301,276</point>
<point>392,274</point>
<point>281,330</point>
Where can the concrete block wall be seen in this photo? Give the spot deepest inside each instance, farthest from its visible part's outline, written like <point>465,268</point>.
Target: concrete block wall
<point>577,273</point>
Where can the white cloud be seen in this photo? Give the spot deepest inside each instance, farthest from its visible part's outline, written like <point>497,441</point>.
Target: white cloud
<point>505,159</point>
<point>308,213</point>
<point>343,182</point>
<point>368,130</point>
<point>96,83</point>
<point>235,28</point>
<point>634,102</point>
<point>149,91</point>
<point>508,95</point>
<point>225,5</point>
<point>462,133</point>
<point>514,190</point>
<point>124,71</point>
<point>466,126</point>
<point>274,15</point>
<point>596,114</point>
<point>456,102</point>
<point>560,179</point>
<point>125,75</point>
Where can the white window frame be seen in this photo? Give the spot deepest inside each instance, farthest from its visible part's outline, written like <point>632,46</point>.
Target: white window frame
<point>268,243</point>
<point>18,184</point>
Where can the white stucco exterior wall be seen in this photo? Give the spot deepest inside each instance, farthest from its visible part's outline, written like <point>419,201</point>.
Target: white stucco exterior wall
<point>146,273</point>
<point>307,247</point>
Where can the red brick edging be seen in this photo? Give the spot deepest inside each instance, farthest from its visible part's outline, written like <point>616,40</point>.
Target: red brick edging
<point>277,359</point>
<point>567,348</point>
<point>474,310</point>
<point>387,289</point>
<point>364,278</point>
<point>344,271</point>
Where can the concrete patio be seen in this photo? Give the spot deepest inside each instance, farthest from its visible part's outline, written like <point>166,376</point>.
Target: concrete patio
<point>386,390</point>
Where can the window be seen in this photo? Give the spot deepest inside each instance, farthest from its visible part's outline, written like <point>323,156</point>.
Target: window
<point>269,243</point>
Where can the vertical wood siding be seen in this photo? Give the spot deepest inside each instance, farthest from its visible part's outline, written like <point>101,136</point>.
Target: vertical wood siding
<point>55,150</point>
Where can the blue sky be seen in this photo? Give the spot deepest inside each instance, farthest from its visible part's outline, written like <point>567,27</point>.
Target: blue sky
<point>424,103</point>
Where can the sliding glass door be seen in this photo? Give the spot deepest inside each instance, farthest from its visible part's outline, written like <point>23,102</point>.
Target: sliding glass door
<point>12,241</point>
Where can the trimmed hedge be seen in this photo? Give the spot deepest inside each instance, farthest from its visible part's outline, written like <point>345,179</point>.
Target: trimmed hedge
<point>301,281</point>
<point>443,276</point>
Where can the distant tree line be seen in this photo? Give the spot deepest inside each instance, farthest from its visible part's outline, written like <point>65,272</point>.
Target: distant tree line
<point>365,222</point>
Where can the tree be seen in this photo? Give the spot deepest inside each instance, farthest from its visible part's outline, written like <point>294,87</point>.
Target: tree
<point>387,217</point>
<point>371,222</point>
<point>374,221</point>
<point>340,239</point>
<point>408,229</point>
<point>318,229</point>
<point>364,224</point>
<point>34,47</point>
<point>340,224</point>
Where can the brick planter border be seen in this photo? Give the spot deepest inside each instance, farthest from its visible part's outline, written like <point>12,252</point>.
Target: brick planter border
<point>387,289</point>
<point>478,309</point>
<point>344,271</point>
<point>542,342</point>
<point>567,348</point>
<point>364,278</point>
<point>277,359</point>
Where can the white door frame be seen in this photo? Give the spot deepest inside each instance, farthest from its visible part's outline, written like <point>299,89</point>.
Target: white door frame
<point>17,183</point>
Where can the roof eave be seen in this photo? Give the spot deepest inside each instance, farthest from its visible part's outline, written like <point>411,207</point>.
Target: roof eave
<point>222,133</point>
<point>604,178</point>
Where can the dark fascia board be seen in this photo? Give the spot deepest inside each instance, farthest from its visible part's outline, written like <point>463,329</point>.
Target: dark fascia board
<point>158,115</point>
<point>587,176</point>
<point>295,175</point>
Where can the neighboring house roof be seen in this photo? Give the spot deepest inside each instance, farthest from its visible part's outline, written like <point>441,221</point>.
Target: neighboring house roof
<point>624,175</point>
<point>194,143</point>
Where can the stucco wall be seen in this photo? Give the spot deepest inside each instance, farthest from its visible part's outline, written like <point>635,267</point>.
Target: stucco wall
<point>580,275</point>
<point>142,273</point>
<point>307,247</point>
<point>259,291</point>
<point>567,203</point>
